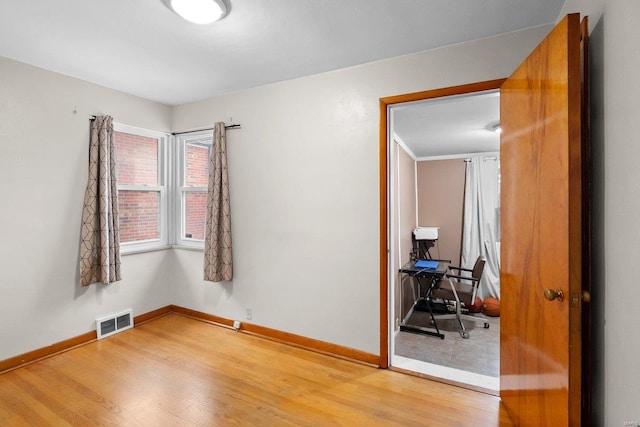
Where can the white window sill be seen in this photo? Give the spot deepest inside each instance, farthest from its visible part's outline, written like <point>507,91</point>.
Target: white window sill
<point>189,248</point>
<point>125,252</point>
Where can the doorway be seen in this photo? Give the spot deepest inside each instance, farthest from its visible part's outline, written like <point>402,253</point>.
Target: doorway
<point>546,233</point>
<point>471,361</point>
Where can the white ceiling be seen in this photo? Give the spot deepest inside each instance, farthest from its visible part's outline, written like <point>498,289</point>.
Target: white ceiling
<point>450,126</point>
<point>142,48</point>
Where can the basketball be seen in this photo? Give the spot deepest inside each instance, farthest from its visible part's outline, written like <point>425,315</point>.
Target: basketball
<point>476,307</point>
<point>491,307</point>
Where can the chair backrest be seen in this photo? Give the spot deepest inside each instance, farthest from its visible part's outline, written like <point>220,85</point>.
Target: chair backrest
<point>468,294</point>
<point>478,268</point>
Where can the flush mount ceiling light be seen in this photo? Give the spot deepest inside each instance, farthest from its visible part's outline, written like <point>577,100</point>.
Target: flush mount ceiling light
<point>494,127</point>
<point>198,11</point>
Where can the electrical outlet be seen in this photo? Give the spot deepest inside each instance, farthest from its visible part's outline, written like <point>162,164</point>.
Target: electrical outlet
<point>249,313</point>
<point>236,324</point>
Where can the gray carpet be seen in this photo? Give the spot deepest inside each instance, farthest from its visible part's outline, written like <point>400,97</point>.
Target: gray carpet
<point>480,353</point>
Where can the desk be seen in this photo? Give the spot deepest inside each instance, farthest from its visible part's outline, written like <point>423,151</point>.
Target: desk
<point>427,279</point>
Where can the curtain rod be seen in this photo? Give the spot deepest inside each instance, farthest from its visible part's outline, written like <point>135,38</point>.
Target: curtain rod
<point>235,126</point>
<point>484,158</point>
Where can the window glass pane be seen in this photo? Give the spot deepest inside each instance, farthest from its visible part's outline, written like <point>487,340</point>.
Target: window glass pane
<point>139,215</point>
<point>137,159</point>
<point>196,159</point>
<point>195,204</point>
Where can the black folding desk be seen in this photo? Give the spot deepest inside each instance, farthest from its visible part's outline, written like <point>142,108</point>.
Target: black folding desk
<point>428,279</point>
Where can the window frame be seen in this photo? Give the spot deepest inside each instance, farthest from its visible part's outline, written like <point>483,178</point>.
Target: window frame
<point>181,189</point>
<point>162,242</point>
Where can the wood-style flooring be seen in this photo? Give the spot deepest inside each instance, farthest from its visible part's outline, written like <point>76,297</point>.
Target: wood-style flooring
<point>178,371</point>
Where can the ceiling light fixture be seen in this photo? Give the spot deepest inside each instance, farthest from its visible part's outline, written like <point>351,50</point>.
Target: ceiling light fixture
<point>199,11</point>
<point>494,127</point>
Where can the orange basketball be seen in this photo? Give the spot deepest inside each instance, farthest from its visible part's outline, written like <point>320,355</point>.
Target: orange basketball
<point>491,307</point>
<point>476,307</point>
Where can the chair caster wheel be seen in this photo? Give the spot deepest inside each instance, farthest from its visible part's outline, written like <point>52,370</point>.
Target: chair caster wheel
<point>486,325</point>
<point>464,335</point>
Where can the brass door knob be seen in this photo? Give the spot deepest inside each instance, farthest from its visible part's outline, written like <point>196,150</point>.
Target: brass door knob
<point>551,295</point>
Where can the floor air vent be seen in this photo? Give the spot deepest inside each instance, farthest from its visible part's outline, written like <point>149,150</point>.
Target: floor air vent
<point>113,324</point>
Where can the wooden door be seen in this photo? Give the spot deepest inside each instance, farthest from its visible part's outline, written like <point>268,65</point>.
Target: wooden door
<point>541,230</point>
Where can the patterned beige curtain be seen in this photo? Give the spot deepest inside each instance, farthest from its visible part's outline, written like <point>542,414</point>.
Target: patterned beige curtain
<point>218,262</point>
<point>100,246</point>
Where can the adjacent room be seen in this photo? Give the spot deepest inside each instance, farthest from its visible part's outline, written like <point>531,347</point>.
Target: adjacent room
<point>445,206</point>
<point>199,225</point>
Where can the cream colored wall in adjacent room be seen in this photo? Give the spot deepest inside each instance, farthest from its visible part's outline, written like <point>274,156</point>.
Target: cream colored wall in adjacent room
<point>304,179</point>
<point>441,203</point>
<point>44,149</point>
<point>405,210</point>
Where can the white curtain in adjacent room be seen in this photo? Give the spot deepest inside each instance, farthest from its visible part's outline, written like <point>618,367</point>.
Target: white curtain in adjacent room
<point>218,260</point>
<point>480,226</point>
<point>100,244</point>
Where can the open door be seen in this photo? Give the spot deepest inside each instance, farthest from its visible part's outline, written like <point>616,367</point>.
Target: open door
<point>543,244</point>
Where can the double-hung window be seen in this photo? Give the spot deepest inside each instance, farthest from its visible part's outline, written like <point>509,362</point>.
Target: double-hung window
<point>142,190</point>
<point>192,178</point>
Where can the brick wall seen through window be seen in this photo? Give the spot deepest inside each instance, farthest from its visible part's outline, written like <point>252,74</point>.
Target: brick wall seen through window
<point>196,175</point>
<point>137,158</point>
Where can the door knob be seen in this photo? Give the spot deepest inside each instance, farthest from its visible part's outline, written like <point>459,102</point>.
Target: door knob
<point>586,296</point>
<point>551,295</point>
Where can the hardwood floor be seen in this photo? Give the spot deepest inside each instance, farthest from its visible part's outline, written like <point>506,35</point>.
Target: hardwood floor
<point>180,371</point>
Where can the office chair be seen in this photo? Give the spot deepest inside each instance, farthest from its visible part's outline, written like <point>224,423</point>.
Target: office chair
<point>461,290</point>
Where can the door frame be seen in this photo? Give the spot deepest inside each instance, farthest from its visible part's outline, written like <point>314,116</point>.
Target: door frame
<point>385,104</point>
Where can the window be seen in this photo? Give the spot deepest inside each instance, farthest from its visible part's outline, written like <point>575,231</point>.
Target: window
<point>192,182</point>
<point>142,190</point>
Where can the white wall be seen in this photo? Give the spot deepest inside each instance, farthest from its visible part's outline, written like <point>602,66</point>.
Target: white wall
<point>304,188</point>
<point>615,128</point>
<point>622,204</point>
<point>43,174</point>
